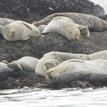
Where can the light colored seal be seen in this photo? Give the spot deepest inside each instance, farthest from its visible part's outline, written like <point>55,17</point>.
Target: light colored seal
<point>20,30</point>
<point>92,22</point>
<point>64,26</point>
<point>84,30</point>
<point>79,69</point>
<point>54,58</point>
<point>26,64</point>
<point>41,28</point>
<point>99,55</point>
<point>4,22</point>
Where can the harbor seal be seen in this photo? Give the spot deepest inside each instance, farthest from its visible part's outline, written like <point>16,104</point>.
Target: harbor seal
<point>99,55</point>
<point>92,22</point>
<point>54,58</point>
<point>20,30</point>
<point>41,28</point>
<point>4,22</point>
<point>26,64</point>
<point>64,26</point>
<point>84,31</point>
<point>94,71</point>
<point>6,71</point>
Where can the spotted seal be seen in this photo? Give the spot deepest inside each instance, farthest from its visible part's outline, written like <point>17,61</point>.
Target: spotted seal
<point>93,23</point>
<point>20,30</point>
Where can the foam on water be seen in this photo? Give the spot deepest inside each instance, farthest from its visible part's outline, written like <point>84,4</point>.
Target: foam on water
<point>54,98</point>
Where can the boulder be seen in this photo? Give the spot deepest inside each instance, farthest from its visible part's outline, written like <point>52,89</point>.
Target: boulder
<point>36,47</point>
<point>37,9</point>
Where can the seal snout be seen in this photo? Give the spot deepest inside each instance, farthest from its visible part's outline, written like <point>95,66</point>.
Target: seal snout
<point>11,33</point>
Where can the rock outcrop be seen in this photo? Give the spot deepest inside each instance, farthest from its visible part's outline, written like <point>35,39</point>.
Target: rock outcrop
<point>36,9</point>
<point>30,10</point>
<point>36,47</point>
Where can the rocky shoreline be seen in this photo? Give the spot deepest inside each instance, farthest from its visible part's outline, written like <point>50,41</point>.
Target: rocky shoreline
<point>14,50</point>
<point>51,42</point>
<point>29,10</point>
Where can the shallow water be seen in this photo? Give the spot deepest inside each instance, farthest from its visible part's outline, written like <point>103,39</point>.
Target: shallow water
<point>27,97</point>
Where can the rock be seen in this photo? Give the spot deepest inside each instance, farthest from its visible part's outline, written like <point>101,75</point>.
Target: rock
<point>37,9</point>
<point>74,84</point>
<point>105,17</point>
<point>36,47</point>
<point>20,82</point>
<point>30,10</point>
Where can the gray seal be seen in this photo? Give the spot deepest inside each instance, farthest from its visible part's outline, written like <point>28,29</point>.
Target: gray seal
<point>93,71</point>
<point>92,22</point>
<point>26,65</point>
<point>20,30</point>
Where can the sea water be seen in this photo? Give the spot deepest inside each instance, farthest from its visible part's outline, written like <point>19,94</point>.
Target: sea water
<point>68,97</point>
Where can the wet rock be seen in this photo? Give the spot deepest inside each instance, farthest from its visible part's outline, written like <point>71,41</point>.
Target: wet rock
<point>105,17</point>
<point>78,80</point>
<point>74,84</point>
<point>29,10</point>
<point>20,82</point>
<point>37,9</point>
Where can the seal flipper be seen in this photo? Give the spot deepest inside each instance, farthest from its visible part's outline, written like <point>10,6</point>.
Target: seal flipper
<point>25,24</point>
<point>26,38</point>
<point>16,68</point>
